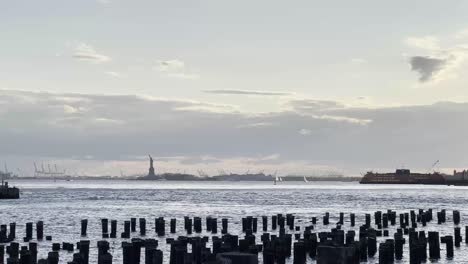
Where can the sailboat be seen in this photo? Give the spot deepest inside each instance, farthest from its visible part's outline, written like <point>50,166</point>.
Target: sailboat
<point>305,179</point>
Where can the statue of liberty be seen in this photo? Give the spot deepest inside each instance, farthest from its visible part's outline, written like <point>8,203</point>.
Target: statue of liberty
<point>151,168</point>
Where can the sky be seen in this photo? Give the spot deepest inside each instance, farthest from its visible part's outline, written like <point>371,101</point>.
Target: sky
<point>292,87</point>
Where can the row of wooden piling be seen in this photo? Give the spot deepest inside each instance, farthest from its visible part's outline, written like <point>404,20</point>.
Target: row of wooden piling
<point>334,246</point>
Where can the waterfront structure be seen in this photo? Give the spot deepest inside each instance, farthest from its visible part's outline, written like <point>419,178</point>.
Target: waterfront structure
<point>7,192</point>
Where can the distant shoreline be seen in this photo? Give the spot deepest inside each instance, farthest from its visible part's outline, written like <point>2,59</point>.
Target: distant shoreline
<point>196,179</point>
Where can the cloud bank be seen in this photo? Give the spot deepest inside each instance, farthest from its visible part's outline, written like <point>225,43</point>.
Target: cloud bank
<point>308,134</point>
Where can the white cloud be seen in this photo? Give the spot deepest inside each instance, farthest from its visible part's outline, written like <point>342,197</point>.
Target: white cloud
<point>181,75</point>
<point>175,69</point>
<point>427,43</point>
<point>104,2</point>
<point>171,65</point>
<point>358,61</point>
<point>462,34</point>
<point>113,74</point>
<point>305,132</point>
<point>85,52</point>
<point>257,125</point>
<point>68,109</point>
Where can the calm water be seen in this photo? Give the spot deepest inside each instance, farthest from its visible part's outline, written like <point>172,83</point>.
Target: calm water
<point>61,205</point>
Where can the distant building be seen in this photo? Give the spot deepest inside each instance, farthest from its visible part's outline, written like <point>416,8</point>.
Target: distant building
<point>460,175</point>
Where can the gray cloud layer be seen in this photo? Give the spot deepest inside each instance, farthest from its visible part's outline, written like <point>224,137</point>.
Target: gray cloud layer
<point>113,127</point>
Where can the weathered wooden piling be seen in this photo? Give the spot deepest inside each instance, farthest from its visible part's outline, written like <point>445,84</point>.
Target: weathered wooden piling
<point>3,233</point>
<point>197,224</point>
<point>173,223</point>
<point>126,232</point>
<point>29,231</point>
<point>457,235</point>
<point>326,218</point>
<point>341,221</point>
<point>33,252</point>
<point>113,233</point>
<point>40,230</point>
<point>133,224</point>
<point>12,233</point>
<point>434,245</point>
<point>103,256</point>
<point>83,247</point>
<point>299,253</point>
<point>214,225</point>
<point>55,246</point>
<point>237,258</point>
<point>456,217</point>
<point>224,225</point>
<point>160,226</point>
<point>53,258</point>
<point>378,218</point>
<point>84,227</point>
<point>13,250</point>
<point>265,223</point>
<point>25,256</point>
<point>142,223</point>
<point>448,241</point>
<point>371,245</point>
<point>2,254</point>
<point>368,220</point>
<point>399,243</point>
<point>105,227</point>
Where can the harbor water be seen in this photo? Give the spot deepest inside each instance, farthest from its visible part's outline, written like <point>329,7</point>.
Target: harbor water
<point>62,205</point>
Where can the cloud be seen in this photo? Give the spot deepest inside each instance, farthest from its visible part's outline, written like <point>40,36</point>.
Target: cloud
<point>104,2</point>
<point>175,69</point>
<point>257,125</point>
<point>247,92</point>
<point>358,61</point>
<point>439,63</point>
<point>427,67</point>
<point>307,133</point>
<point>113,74</point>
<point>462,34</point>
<point>188,76</point>
<point>171,65</point>
<point>68,109</point>
<point>427,43</point>
<point>85,52</point>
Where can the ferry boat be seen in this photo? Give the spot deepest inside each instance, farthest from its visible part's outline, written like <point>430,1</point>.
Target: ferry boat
<point>403,176</point>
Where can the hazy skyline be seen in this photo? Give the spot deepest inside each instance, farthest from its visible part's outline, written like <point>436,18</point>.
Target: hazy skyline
<point>296,87</point>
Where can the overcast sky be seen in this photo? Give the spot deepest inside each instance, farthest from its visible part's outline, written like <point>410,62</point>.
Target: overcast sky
<point>289,86</point>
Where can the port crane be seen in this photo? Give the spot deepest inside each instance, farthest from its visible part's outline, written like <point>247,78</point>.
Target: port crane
<point>433,165</point>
